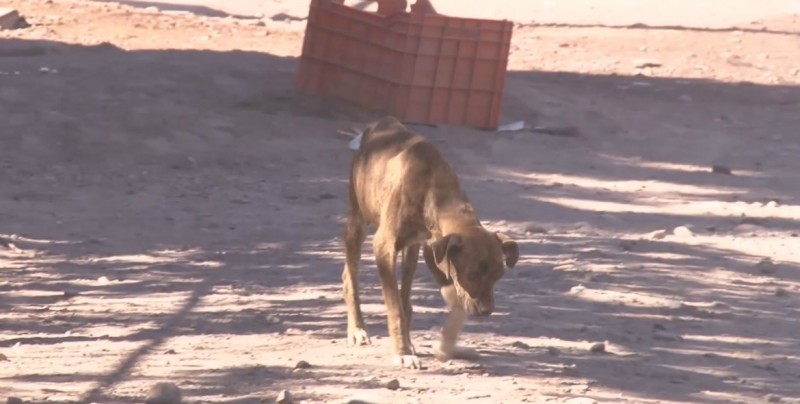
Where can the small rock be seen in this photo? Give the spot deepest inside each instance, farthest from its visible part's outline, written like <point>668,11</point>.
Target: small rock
<point>14,400</point>
<point>271,319</point>
<point>553,351</point>
<point>577,289</point>
<point>103,280</point>
<point>393,384</point>
<point>284,397</point>
<point>3,358</point>
<point>600,278</point>
<point>151,9</point>
<point>9,18</point>
<point>302,365</point>
<point>666,336</point>
<point>657,235</point>
<point>535,229</point>
<point>773,398</point>
<point>781,292</point>
<point>643,64</point>
<point>578,389</point>
<point>170,352</point>
<point>69,294</point>
<point>675,379</point>
<point>766,266</point>
<point>371,396</point>
<point>771,204</point>
<point>520,345</point>
<point>599,347</point>
<point>164,393</point>
<point>769,367</point>
<point>757,221</point>
<point>682,231</point>
<point>747,228</point>
<point>9,245</point>
<point>720,169</point>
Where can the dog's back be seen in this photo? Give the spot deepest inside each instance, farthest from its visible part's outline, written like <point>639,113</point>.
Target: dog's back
<point>390,157</point>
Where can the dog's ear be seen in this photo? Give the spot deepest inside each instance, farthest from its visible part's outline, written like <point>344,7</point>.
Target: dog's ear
<point>443,250</point>
<point>510,249</point>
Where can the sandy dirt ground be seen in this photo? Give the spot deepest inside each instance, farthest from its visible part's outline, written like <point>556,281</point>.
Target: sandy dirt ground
<point>178,210</point>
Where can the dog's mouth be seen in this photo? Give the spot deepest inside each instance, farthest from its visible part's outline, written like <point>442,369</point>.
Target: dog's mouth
<point>478,308</point>
<point>474,307</point>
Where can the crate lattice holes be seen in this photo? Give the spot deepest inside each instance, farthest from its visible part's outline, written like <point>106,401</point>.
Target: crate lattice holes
<point>429,69</point>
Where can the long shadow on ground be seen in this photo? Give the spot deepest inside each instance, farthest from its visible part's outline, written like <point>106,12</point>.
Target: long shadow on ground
<point>245,251</point>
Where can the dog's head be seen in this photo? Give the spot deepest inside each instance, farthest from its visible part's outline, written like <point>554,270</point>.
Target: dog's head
<point>475,259</point>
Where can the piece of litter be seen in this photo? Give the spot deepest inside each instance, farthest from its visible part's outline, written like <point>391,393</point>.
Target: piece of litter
<point>356,142</point>
<point>512,127</point>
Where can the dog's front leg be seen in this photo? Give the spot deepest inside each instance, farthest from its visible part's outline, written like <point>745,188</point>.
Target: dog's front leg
<point>452,329</point>
<point>386,259</point>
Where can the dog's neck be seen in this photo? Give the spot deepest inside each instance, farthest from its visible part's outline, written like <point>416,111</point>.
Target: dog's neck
<point>449,213</point>
<point>455,217</point>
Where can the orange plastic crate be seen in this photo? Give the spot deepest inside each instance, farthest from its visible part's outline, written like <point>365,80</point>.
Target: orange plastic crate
<point>421,68</point>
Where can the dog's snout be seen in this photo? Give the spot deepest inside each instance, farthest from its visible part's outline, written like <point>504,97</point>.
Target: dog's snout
<point>485,310</point>
<point>480,309</point>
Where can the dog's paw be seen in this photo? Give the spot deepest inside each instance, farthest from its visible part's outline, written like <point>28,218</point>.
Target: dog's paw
<point>460,353</point>
<point>358,336</point>
<point>441,355</point>
<point>407,361</point>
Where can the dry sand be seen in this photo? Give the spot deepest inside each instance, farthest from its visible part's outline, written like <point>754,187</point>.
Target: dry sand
<point>178,211</point>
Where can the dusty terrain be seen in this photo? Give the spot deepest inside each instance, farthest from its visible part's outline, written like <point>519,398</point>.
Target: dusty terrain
<point>178,211</point>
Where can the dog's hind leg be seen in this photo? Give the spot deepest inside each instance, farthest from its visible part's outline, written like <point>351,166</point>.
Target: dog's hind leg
<point>354,240</point>
<point>410,259</point>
